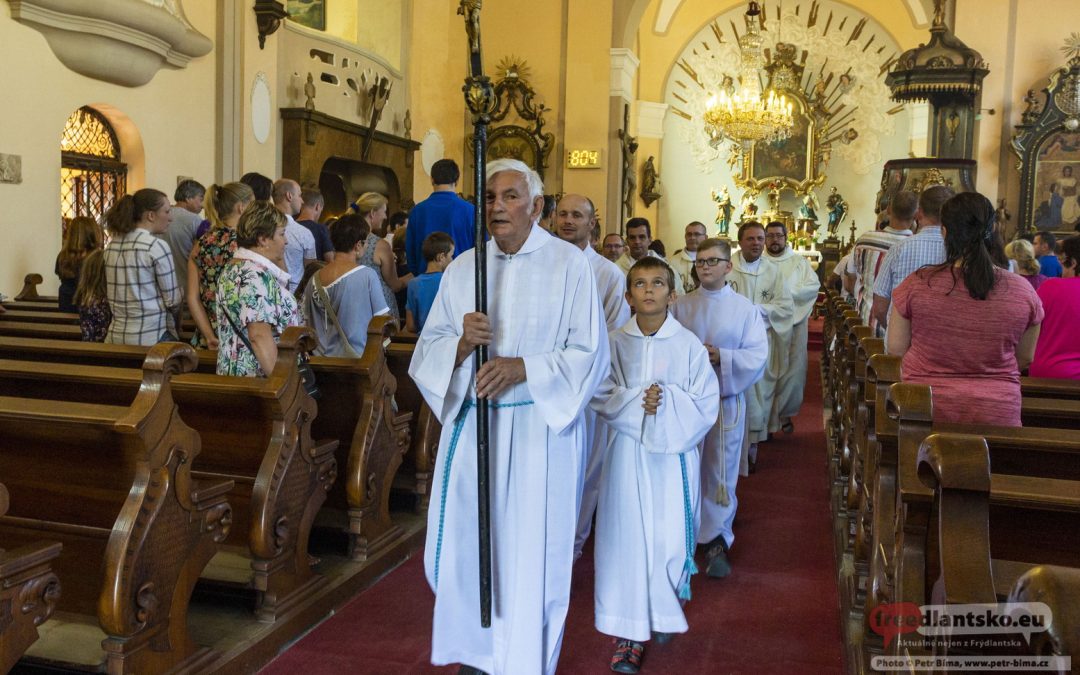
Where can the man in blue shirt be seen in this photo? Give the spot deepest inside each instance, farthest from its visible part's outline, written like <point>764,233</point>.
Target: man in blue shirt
<point>1045,251</point>
<point>438,252</point>
<point>443,211</point>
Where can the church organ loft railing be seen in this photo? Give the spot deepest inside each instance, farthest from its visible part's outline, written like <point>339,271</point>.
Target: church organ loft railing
<point>92,177</point>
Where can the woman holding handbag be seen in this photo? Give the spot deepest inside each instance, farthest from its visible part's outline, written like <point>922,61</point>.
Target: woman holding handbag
<point>254,305</point>
<point>342,297</point>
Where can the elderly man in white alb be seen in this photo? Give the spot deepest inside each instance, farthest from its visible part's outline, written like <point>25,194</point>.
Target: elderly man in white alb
<point>575,218</point>
<point>758,279</point>
<point>802,286</point>
<point>545,328</point>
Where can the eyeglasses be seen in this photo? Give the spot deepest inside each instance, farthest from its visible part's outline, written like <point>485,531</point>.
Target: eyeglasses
<point>711,262</point>
<point>776,235</point>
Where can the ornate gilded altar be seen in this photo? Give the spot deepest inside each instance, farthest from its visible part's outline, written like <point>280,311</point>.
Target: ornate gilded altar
<point>526,141</point>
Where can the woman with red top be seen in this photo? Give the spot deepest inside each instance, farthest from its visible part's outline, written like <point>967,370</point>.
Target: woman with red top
<point>1058,351</point>
<point>967,327</point>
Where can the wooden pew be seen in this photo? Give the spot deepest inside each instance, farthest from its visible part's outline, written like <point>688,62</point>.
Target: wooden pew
<point>357,408</point>
<point>28,593</point>
<point>29,290</point>
<point>1059,588</point>
<point>985,529</point>
<point>419,464</point>
<point>37,316</point>
<point>48,331</point>
<point>114,485</point>
<point>255,432</point>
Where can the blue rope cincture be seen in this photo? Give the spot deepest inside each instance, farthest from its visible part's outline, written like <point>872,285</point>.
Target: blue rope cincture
<point>459,424</point>
<point>690,568</point>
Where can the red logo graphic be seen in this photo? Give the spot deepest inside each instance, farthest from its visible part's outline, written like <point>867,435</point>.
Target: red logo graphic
<point>894,619</point>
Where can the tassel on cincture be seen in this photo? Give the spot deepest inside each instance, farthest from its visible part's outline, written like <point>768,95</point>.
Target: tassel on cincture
<point>689,570</point>
<point>722,497</point>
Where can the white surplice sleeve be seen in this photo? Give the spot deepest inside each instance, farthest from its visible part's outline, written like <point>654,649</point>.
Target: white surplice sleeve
<point>443,385</point>
<point>804,289</point>
<point>742,366</point>
<point>562,381</point>
<point>619,404</point>
<point>686,413</point>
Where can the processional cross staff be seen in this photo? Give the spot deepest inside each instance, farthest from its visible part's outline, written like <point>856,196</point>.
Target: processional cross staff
<point>480,98</point>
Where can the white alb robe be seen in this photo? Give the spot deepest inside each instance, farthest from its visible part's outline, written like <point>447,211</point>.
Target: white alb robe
<point>731,323</point>
<point>543,307</point>
<point>649,486</point>
<point>761,283</point>
<point>802,285</point>
<point>611,286</point>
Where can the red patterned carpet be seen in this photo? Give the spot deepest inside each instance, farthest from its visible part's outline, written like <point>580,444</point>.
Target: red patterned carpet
<point>777,612</point>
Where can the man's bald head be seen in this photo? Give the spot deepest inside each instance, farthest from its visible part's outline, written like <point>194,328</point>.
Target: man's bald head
<point>575,216</point>
<point>287,196</point>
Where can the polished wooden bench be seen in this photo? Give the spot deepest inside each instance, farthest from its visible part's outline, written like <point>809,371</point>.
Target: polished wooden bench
<point>114,485</point>
<point>29,290</point>
<point>48,331</point>
<point>419,464</point>
<point>38,316</point>
<point>28,593</point>
<point>254,431</point>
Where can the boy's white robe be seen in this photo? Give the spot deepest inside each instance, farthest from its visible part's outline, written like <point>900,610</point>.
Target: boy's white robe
<point>543,307</point>
<point>649,485</point>
<point>611,285</point>
<point>731,323</point>
<point>802,285</point>
<point>762,284</point>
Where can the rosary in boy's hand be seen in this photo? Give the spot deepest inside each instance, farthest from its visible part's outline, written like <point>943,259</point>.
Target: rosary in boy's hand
<point>652,398</point>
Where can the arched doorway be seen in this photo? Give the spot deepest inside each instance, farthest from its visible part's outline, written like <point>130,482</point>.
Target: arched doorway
<point>92,175</point>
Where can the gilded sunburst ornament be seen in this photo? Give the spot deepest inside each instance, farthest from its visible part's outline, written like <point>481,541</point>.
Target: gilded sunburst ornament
<point>1072,47</point>
<point>513,67</point>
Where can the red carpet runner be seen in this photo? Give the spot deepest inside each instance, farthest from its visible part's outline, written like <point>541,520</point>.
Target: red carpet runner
<point>776,613</point>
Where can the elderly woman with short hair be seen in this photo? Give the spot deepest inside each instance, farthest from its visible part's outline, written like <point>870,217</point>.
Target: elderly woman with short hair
<point>254,305</point>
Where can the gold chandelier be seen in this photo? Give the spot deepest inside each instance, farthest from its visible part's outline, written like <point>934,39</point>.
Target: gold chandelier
<point>749,115</point>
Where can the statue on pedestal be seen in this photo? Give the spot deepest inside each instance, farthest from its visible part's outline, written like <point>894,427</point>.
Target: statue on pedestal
<point>838,209</point>
<point>806,211</point>
<point>309,93</point>
<point>724,210</point>
<point>749,208</point>
<point>649,182</point>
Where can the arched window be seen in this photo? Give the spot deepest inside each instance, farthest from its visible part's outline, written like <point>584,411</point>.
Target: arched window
<point>92,177</point>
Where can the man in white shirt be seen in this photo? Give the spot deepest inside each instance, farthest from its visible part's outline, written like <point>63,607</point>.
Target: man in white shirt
<point>299,242</point>
<point>683,260</point>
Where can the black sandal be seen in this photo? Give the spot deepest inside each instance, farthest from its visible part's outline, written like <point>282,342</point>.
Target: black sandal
<point>627,657</point>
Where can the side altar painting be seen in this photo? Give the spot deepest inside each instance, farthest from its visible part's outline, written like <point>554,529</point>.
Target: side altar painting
<point>1057,168</point>
<point>310,13</point>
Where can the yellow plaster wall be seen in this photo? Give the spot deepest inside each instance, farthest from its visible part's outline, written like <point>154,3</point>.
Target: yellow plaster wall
<point>171,118</point>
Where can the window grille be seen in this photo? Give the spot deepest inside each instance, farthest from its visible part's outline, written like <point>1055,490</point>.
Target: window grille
<point>92,177</point>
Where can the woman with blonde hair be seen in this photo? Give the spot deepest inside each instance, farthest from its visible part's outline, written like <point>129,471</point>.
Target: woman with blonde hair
<point>1022,253</point>
<point>371,206</point>
<point>83,236</point>
<point>253,304</point>
<point>212,250</point>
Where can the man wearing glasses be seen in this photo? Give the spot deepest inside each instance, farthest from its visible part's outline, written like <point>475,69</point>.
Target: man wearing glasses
<point>733,333</point>
<point>801,285</point>
<point>683,259</point>
<point>758,279</point>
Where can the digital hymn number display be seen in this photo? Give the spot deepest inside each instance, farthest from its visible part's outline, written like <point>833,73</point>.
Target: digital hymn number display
<point>583,159</point>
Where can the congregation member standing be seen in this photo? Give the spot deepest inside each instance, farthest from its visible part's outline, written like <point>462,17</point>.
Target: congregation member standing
<point>299,242</point>
<point>989,315</point>
<point>758,279</point>
<point>342,297</point>
<point>186,218</point>
<point>1046,252</point>
<point>925,247</point>
<point>545,329</point>
<point>575,218</point>
<point>1057,353</point>
<point>683,259</point>
<point>659,400</point>
<point>82,237</point>
<point>140,279</point>
<point>638,242</point>
<point>613,246</point>
<point>870,251</point>
<point>801,284</point>
<point>379,255</point>
<point>442,211</point>
<point>734,335</point>
<point>438,251</point>
<point>310,212</point>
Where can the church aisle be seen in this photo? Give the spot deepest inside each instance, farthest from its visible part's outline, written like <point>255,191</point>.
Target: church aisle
<point>776,613</point>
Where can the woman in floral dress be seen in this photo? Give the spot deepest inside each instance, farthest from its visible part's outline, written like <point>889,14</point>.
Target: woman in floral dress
<point>253,296</point>
<point>224,205</point>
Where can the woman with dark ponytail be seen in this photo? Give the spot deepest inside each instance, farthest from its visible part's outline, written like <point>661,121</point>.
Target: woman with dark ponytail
<point>968,326</point>
<point>140,277</point>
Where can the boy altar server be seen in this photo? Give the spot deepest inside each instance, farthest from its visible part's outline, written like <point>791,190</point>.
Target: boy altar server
<point>734,334</point>
<point>659,401</point>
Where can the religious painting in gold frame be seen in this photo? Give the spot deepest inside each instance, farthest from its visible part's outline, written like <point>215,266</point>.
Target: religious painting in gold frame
<point>513,142</point>
<point>790,162</point>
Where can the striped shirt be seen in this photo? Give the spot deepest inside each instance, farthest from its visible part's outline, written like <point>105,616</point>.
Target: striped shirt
<point>142,288</point>
<point>869,252</point>
<point>925,248</point>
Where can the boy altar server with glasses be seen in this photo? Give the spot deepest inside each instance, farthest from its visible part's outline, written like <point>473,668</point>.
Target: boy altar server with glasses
<point>659,401</point>
<point>734,335</point>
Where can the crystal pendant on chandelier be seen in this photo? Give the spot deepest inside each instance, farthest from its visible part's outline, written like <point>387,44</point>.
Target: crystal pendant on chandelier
<point>749,115</point>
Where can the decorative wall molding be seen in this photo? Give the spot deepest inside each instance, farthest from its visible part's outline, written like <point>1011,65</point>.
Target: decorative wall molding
<point>124,42</point>
<point>624,65</point>
<point>650,119</point>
